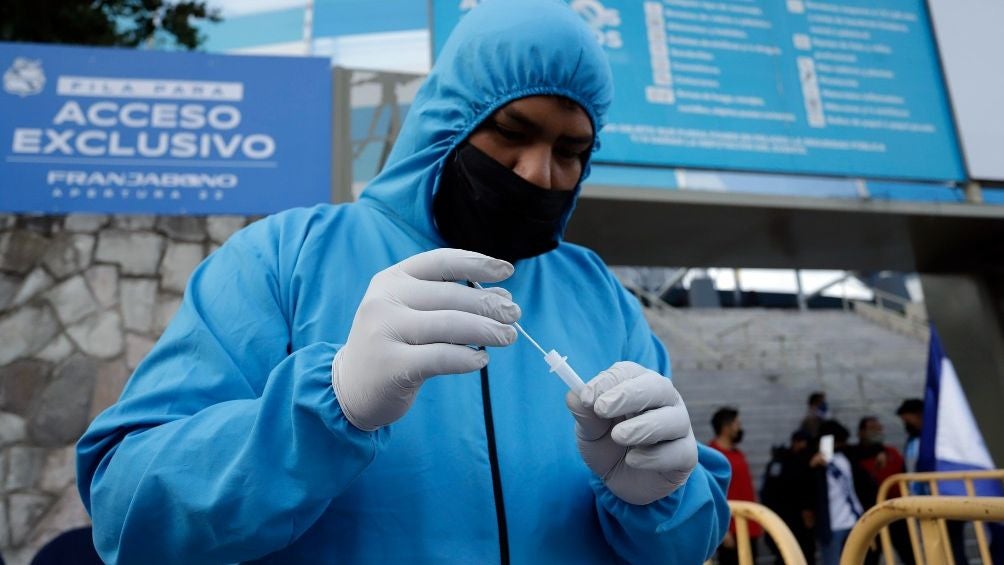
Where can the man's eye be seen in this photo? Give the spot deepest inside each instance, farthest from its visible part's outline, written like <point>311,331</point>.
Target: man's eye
<point>507,133</point>
<point>566,153</point>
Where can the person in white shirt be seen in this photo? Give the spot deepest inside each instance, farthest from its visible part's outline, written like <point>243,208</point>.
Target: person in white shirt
<point>839,507</point>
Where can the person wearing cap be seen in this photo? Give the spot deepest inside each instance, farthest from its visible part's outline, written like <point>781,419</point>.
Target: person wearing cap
<point>335,389</point>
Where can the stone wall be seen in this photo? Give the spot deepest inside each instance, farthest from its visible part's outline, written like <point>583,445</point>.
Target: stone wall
<point>83,298</point>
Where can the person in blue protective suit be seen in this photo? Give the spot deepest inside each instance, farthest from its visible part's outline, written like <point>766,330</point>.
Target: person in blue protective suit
<point>325,395</point>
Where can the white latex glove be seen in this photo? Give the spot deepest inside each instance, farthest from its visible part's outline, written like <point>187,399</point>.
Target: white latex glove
<point>634,431</point>
<point>413,324</point>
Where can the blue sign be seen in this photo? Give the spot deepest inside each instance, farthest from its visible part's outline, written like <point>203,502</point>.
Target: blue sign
<point>115,130</point>
<point>832,87</point>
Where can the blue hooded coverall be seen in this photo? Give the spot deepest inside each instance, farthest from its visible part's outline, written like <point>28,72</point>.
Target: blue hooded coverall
<point>228,444</point>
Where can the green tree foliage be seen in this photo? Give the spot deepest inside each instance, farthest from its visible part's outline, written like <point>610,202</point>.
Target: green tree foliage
<point>127,23</point>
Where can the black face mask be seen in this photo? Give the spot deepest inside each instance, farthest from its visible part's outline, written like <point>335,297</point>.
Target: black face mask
<point>738,436</point>
<point>483,206</point>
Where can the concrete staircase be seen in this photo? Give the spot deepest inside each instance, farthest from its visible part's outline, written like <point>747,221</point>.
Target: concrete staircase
<point>767,362</point>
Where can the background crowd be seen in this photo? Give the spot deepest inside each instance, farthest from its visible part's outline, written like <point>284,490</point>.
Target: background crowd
<point>823,480</point>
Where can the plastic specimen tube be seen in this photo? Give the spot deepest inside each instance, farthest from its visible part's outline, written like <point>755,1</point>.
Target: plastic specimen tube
<point>560,366</point>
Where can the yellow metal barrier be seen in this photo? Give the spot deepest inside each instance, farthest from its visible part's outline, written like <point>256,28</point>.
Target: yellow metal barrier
<point>936,529</point>
<point>744,512</point>
<point>931,512</point>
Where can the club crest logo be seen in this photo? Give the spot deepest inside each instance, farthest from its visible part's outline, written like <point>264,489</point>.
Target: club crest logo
<point>24,77</point>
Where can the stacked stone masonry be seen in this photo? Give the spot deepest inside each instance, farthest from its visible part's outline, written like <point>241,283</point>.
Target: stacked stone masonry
<point>83,298</point>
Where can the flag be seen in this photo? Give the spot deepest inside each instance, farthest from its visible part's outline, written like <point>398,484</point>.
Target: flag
<point>950,439</point>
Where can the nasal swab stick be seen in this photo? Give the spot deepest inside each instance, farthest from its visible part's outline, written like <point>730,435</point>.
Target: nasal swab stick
<point>554,360</point>
<point>527,336</point>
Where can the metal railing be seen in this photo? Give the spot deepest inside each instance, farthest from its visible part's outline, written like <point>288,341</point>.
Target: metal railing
<point>896,313</point>
<point>931,513</point>
<point>891,320</point>
<point>773,525</point>
<point>931,480</point>
<point>745,512</point>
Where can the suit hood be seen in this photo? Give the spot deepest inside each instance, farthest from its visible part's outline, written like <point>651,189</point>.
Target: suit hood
<point>501,51</point>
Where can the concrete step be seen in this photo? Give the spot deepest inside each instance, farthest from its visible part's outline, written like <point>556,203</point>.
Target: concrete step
<point>767,362</point>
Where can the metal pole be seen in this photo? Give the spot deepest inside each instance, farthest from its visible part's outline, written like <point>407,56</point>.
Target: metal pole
<point>737,291</point>
<point>843,300</point>
<point>974,192</point>
<point>862,189</point>
<point>308,28</point>
<point>341,131</point>
<point>802,302</point>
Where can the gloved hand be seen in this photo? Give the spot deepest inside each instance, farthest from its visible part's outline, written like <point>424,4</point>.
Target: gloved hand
<point>413,324</point>
<point>633,430</point>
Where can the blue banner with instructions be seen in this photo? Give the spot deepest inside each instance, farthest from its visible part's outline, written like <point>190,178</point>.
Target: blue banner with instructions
<point>841,87</point>
<point>126,131</point>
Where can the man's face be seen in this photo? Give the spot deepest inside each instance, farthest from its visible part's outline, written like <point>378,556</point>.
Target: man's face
<point>799,445</point>
<point>912,422</point>
<point>872,432</point>
<point>820,405</point>
<point>544,139</point>
<point>736,430</point>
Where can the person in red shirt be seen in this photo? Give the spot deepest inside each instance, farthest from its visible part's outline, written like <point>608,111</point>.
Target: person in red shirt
<point>875,457</point>
<point>879,461</point>
<point>728,434</point>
